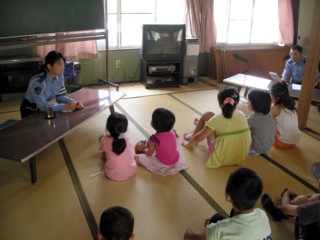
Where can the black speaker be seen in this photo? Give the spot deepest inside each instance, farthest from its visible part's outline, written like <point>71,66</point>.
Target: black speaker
<point>190,61</point>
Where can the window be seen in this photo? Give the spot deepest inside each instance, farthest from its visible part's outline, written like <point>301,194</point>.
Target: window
<point>126,17</point>
<point>247,21</point>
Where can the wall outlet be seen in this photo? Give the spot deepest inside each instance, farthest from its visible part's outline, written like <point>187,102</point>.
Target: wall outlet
<point>118,63</point>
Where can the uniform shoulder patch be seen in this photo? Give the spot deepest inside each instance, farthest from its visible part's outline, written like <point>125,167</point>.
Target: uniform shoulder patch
<point>37,90</point>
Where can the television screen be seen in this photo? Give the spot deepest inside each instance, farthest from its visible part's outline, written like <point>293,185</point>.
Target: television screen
<point>163,41</point>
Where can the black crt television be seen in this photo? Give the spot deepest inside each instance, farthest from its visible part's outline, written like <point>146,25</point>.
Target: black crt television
<point>163,41</point>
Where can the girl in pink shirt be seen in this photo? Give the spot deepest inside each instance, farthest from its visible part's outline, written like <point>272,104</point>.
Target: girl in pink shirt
<point>161,153</point>
<point>117,149</point>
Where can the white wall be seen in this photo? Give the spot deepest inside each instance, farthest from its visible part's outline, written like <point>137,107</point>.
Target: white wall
<point>306,11</point>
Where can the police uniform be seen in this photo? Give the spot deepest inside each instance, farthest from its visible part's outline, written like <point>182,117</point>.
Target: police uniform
<point>41,90</point>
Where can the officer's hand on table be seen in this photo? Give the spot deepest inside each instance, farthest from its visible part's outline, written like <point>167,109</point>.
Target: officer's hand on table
<point>79,105</point>
<point>73,105</point>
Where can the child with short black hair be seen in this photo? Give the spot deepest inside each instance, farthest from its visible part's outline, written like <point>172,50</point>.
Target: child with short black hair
<point>161,153</point>
<point>117,149</point>
<point>116,223</point>
<point>261,122</point>
<point>243,189</point>
<point>285,114</point>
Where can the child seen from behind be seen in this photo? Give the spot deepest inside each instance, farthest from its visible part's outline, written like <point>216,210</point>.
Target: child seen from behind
<point>228,134</point>
<point>284,112</point>
<point>261,122</point>
<point>243,189</point>
<point>117,149</point>
<point>161,153</point>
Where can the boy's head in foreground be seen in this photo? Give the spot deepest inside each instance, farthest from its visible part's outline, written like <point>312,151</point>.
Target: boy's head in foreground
<point>116,223</point>
<point>243,189</point>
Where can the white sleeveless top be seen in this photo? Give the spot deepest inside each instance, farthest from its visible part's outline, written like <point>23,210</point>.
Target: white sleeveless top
<point>287,125</point>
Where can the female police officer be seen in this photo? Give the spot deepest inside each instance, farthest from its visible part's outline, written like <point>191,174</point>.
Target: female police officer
<point>48,83</point>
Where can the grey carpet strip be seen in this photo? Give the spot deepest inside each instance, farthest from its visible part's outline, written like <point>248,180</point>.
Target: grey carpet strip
<point>295,176</point>
<point>203,193</point>
<point>193,183</point>
<point>183,103</point>
<point>79,190</point>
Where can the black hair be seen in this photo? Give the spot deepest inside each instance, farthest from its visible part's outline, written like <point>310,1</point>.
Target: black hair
<point>244,187</point>
<point>297,48</point>
<point>116,223</point>
<point>260,101</point>
<point>280,92</point>
<point>51,58</point>
<point>117,125</point>
<point>162,120</point>
<point>228,108</point>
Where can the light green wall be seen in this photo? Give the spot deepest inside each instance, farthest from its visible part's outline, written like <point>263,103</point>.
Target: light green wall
<point>128,71</point>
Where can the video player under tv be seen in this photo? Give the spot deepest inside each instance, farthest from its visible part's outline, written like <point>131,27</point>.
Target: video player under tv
<point>162,68</point>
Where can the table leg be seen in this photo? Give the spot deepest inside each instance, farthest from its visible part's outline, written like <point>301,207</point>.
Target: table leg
<point>239,89</point>
<point>246,92</point>
<point>112,109</point>
<point>33,170</point>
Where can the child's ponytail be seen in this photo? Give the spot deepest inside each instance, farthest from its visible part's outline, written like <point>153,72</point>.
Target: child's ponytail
<point>117,125</point>
<point>281,93</point>
<point>228,99</point>
<point>119,144</point>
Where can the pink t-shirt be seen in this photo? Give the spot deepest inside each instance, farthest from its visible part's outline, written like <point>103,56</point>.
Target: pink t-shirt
<point>166,147</point>
<point>118,167</point>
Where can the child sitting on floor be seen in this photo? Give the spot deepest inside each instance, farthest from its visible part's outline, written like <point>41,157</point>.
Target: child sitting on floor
<point>228,134</point>
<point>306,208</point>
<point>117,149</point>
<point>284,112</point>
<point>261,123</point>
<point>161,153</point>
<point>243,189</point>
<point>116,223</point>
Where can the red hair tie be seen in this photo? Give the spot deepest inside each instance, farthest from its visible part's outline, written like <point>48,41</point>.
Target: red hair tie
<point>228,100</point>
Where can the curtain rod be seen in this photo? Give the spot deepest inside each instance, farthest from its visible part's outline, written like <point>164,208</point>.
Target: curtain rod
<point>34,40</point>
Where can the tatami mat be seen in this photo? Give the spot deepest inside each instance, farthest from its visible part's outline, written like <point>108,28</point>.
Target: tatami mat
<point>161,205</point>
<point>213,180</point>
<point>39,211</point>
<point>137,89</point>
<point>300,158</point>
<point>314,119</point>
<point>164,207</point>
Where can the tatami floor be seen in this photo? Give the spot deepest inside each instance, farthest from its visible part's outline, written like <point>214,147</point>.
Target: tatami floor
<point>70,194</point>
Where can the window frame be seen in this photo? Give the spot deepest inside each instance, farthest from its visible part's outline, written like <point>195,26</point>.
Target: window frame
<point>250,42</point>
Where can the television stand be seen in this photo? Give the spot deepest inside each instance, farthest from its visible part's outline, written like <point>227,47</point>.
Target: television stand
<point>161,73</point>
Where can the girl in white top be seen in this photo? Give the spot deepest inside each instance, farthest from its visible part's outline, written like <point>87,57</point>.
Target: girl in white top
<point>284,112</point>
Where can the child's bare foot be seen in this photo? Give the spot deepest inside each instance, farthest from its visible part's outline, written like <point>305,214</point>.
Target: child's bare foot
<point>187,136</point>
<point>196,121</point>
<point>190,235</point>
